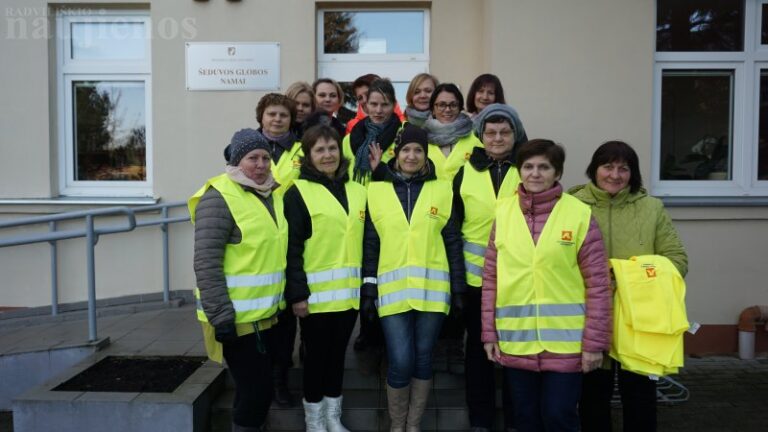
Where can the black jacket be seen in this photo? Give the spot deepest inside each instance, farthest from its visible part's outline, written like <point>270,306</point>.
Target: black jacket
<point>407,193</point>
<point>300,226</point>
<point>480,161</point>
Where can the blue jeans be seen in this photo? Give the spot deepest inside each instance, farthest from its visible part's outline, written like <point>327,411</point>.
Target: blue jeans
<point>544,401</point>
<point>410,337</point>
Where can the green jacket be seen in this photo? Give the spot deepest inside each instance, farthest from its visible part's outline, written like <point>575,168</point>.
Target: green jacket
<point>633,224</point>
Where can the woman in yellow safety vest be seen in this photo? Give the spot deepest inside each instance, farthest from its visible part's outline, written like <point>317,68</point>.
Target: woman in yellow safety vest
<point>276,113</point>
<point>413,270</point>
<point>240,242</point>
<point>546,299</point>
<point>489,174</point>
<point>378,129</point>
<point>449,131</point>
<point>417,97</point>
<point>633,223</point>
<point>326,219</point>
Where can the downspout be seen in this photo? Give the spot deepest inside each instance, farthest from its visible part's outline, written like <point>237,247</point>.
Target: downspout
<point>747,326</point>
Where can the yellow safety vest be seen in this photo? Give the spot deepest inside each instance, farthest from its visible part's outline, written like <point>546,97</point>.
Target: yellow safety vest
<point>413,267</point>
<point>286,170</point>
<point>649,315</point>
<point>334,254</point>
<point>255,267</point>
<point>540,291</point>
<point>479,201</point>
<point>446,167</point>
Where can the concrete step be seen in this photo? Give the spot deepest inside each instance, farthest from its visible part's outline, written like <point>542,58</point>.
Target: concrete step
<point>364,410</point>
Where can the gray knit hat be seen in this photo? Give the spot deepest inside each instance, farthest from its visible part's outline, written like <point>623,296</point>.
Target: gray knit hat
<point>243,142</point>
<point>501,110</point>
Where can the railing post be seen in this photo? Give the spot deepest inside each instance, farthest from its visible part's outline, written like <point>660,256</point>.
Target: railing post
<point>54,272</point>
<point>90,240</point>
<point>166,259</point>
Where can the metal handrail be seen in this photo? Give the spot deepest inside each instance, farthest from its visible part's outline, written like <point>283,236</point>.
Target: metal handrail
<point>92,233</point>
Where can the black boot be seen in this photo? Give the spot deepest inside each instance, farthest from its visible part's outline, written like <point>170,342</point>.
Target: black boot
<point>282,396</point>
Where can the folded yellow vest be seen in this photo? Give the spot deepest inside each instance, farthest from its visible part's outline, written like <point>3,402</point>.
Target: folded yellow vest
<point>649,315</point>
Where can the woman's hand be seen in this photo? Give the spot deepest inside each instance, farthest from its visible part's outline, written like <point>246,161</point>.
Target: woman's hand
<point>374,155</point>
<point>301,309</point>
<point>591,361</point>
<point>493,351</point>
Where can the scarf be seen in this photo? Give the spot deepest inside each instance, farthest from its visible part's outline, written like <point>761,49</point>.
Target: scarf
<point>238,176</point>
<point>284,141</point>
<point>365,133</point>
<point>449,133</point>
<point>415,116</point>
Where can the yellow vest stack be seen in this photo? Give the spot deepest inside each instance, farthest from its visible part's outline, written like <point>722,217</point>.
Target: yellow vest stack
<point>649,317</point>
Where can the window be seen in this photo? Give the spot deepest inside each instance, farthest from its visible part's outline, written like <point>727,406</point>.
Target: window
<point>391,43</point>
<point>104,105</point>
<point>711,99</point>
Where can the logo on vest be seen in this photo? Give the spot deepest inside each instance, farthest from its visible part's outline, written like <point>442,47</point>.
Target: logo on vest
<point>433,212</point>
<point>361,215</point>
<point>391,152</point>
<point>566,237</point>
<point>466,156</point>
<point>296,164</point>
<point>650,271</point>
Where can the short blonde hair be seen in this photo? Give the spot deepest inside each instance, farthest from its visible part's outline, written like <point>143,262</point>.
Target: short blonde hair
<point>294,90</point>
<point>415,82</point>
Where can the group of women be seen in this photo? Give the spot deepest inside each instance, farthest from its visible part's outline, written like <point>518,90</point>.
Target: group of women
<point>413,215</point>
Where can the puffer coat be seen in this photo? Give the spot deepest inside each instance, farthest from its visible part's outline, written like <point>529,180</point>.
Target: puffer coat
<point>633,224</point>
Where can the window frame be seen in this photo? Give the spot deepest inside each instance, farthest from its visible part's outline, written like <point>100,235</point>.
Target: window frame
<point>746,88</point>
<point>70,70</point>
<point>353,57</point>
<point>347,67</point>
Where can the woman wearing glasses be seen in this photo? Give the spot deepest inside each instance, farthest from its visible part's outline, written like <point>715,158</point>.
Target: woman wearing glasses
<point>449,131</point>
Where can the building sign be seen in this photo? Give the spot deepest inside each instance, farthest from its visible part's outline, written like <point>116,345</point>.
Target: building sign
<point>233,66</point>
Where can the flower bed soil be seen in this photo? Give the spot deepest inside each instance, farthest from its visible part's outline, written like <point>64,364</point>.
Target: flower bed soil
<point>134,374</point>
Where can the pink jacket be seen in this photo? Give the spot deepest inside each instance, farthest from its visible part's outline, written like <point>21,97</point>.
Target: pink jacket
<point>594,268</point>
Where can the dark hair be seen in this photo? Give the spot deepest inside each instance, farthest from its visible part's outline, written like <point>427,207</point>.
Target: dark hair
<point>554,153</point>
<point>364,81</point>
<point>446,88</point>
<point>478,83</point>
<point>617,151</point>
<point>270,99</point>
<point>313,135</point>
<point>384,87</point>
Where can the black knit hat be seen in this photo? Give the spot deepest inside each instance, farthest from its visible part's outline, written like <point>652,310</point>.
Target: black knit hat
<point>243,142</point>
<point>411,134</point>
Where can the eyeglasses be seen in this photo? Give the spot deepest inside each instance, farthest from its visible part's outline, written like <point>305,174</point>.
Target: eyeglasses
<point>493,134</point>
<point>442,106</point>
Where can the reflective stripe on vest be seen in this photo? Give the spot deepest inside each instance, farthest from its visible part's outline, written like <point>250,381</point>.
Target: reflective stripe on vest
<point>446,167</point>
<point>333,254</point>
<point>287,168</point>
<point>479,200</point>
<point>540,302</point>
<point>255,279</point>
<point>413,267</point>
<point>544,335</point>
